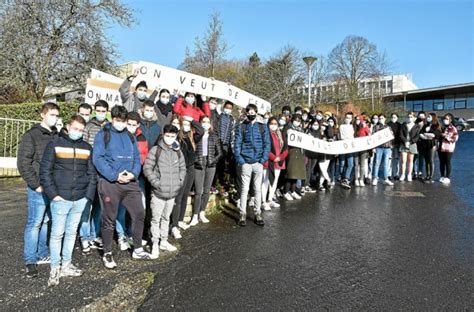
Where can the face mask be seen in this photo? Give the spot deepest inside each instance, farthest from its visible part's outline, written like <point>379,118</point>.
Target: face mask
<point>86,118</point>
<point>169,141</point>
<point>298,113</point>
<point>212,106</point>
<point>422,117</point>
<point>357,122</point>
<point>296,123</point>
<point>75,135</point>
<point>446,122</point>
<point>331,124</point>
<point>375,121</point>
<point>286,112</point>
<point>251,117</point>
<point>319,117</point>
<point>148,115</point>
<point>177,126</point>
<point>51,121</point>
<point>189,99</point>
<point>131,129</point>
<point>429,119</point>
<point>141,95</point>
<point>100,116</point>
<point>164,100</point>
<point>382,121</point>
<point>282,122</point>
<point>315,127</point>
<point>273,127</point>
<point>411,119</point>
<point>305,117</point>
<point>265,120</point>
<point>186,128</point>
<point>119,126</point>
<point>207,126</point>
<point>394,119</point>
<point>227,111</point>
<point>347,121</point>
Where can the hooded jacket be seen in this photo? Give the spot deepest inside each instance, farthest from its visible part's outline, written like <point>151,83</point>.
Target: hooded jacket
<point>30,153</point>
<point>183,109</point>
<point>67,170</point>
<point>121,154</point>
<point>130,100</point>
<point>167,175</point>
<point>151,130</point>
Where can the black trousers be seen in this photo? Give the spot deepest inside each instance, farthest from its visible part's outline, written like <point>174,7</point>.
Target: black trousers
<point>445,163</point>
<point>429,156</point>
<point>130,196</point>
<point>181,200</point>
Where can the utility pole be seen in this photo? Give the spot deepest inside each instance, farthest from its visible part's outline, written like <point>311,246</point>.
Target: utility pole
<point>309,60</point>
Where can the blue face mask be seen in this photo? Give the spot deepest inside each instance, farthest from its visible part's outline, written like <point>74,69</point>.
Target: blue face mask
<point>75,135</point>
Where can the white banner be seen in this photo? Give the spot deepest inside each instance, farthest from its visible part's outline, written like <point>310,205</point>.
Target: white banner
<point>355,145</point>
<point>158,76</point>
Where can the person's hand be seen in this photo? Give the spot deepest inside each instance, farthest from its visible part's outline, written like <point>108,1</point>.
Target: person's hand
<point>122,178</point>
<point>277,159</point>
<point>203,98</point>
<point>58,198</point>
<point>129,176</point>
<point>181,93</point>
<point>158,88</point>
<point>407,144</point>
<point>135,73</point>
<point>39,189</point>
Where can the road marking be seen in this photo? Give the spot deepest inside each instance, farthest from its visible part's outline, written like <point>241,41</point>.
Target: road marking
<point>404,194</point>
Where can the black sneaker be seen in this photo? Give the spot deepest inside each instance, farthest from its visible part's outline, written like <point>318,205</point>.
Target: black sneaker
<point>242,220</point>
<point>108,260</point>
<point>31,270</point>
<point>259,220</point>
<point>345,184</point>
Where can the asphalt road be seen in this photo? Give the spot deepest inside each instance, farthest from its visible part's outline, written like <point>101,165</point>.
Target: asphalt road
<point>407,247</point>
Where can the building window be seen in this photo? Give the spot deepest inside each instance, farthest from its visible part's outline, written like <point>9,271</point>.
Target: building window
<point>470,100</point>
<point>438,105</point>
<point>409,106</point>
<point>449,102</point>
<point>460,104</point>
<point>389,86</point>
<point>428,105</point>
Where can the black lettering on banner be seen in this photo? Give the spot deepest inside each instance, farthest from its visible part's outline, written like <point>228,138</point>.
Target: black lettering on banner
<point>182,79</point>
<point>192,82</point>
<point>108,97</point>
<point>292,137</point>
<point>353,144</point>
<point>345,145</point>
<point>116,99</point>
<point>204,85</point>
<point>97,97</point>
<point>157,73</point>
<point>143,70</point>
<point>213,85</point>
<point>230,92</point>
<point>236,95</point>
<point>90,94</point>
<point>299,139</point>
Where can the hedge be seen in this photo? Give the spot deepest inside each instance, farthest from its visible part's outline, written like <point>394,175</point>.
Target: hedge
<point>30,111</point>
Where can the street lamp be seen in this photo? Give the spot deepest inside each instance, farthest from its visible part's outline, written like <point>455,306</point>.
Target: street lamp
<point>309,60</point>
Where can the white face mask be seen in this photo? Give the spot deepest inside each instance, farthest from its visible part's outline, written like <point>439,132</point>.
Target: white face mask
<point>141,95</point>
<point>305,117</point>
<point>273,127</point>
<point>382,121</point>
<point>394,119</point>
<point>206,126</point>
<point>331,124</point>
<point>186,128</point>
<point>315,127</point>
<point>357,122</point>
<point>347,121</point>
<point>119,126</point>
<point>100,116</point>
<point>411,119</point>
<point>148,115</point>
<point>212,106</point>
<point>164,100</point>
<point>429,119</point>
<point>131,129</point>
<point>446,122</point>
<point>296,123</point>
<point>86,118</point>
<point>282,122</point>
<point>227,111</point>
<point>51,121</point>
<point>169,141</point>
<point>189,99</point>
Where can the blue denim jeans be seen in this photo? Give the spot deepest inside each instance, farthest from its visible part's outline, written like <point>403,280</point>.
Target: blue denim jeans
<point>89,228</point>
<point>65,216</point>
<point>383,154</point>
<point>36,229</point>
<point>120,225</point>
<point>346,163</point>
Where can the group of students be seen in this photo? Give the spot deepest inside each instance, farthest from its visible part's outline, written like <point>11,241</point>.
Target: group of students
<point>130,173</point>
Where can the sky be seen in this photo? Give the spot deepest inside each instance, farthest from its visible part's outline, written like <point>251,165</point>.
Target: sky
<point>432,40</point>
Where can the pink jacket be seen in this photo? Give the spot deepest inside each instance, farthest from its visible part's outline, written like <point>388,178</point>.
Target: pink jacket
<point>449,137</point>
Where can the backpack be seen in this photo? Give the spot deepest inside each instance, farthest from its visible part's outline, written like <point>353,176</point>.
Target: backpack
<point>158,154</point>
<point>107,137</point>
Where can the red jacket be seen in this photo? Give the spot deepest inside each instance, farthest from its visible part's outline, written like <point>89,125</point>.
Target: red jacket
<point>142,145</point>
<point>276,151</point>
<point>183,109</point>
<point>363,131</point>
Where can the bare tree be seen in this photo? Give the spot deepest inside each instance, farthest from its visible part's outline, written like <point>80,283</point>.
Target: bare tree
<point>56,42</point>
<point>208,51</point>
<point>354,60</point>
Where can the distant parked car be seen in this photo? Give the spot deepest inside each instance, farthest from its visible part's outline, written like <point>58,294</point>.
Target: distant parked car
<point>461,124</point>
<point>471,124</point>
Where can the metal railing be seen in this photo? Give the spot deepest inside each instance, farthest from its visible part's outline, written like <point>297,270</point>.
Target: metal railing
<point>11,132</point>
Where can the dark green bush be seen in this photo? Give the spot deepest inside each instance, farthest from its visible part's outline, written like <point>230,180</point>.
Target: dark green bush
<point>30,111</point>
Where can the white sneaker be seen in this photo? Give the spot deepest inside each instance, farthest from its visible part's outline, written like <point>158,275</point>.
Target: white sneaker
<point>202,217</point>
<point>375,181</point>
<point>183,225</point>
<point>155,251</point>
<point>108,260</point>
<point>441,179</point>
<point>295,195</point>
<point>266,206</point>
<point>388,182</point>
<point>409,178</point>
<point>357,183</point>
<point>274,204</point>
<point>140,254</point>
<point>446,181</point>
<point>165,245</point>
<point>278,193</point>
<point>69,270</point>
<point>176,233</point>
<point>361,182</point>
<point>194,220</point>
<point>54,277</point>
<point>402,178</point>
<point>123,244</point>
<point>288,196</point>
<point>44,260</point>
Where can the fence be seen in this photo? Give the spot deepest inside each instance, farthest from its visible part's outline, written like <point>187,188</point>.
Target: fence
<point>11,131</point>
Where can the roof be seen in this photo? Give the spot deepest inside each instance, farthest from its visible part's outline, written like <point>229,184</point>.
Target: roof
<point>466,86</point>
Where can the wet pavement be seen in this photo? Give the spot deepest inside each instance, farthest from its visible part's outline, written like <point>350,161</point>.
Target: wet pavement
<point>407,247</point>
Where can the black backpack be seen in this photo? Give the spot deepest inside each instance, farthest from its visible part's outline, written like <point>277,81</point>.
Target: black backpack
<point>107,137</point>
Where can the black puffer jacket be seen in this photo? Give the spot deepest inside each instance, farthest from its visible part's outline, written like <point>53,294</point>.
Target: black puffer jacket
<point>187,147</point>
<point>214,152</point>
<point>31,151</point>
<point>67,170</point>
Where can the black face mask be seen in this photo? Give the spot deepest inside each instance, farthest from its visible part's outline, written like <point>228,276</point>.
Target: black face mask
<point>251,117</point>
